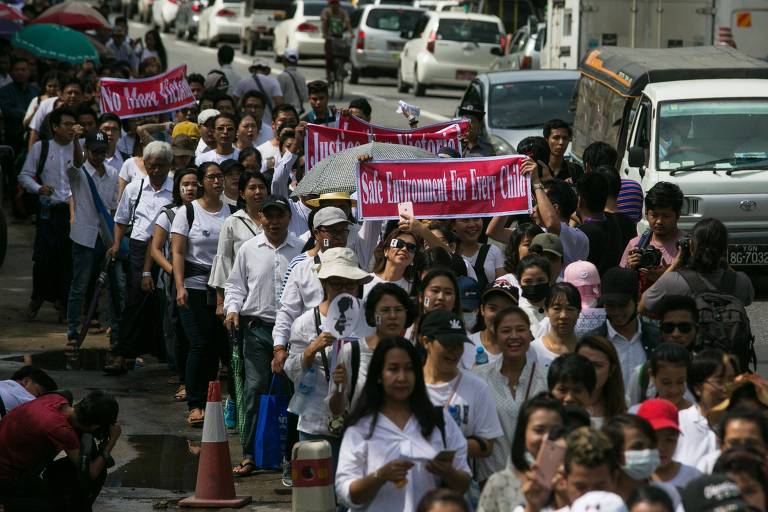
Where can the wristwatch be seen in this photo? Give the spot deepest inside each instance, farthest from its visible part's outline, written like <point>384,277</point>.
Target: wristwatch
<point>538,186</point>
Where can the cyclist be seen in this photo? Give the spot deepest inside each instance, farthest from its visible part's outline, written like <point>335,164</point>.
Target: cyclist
<point>335,22</point>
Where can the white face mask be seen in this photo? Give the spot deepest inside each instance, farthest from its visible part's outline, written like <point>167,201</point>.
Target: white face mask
<point>640,464</point>
<point>470,319</point>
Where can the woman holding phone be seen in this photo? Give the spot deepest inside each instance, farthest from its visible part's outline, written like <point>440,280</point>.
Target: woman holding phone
<point>397,446</point>
<point>538,417</point>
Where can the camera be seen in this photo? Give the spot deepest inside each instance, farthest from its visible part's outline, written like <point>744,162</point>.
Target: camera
<point>684,246</point>
<point>650,257</point>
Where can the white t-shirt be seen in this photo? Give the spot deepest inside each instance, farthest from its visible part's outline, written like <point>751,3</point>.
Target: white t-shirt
<point>684,475</point>
<point>402,283</point>
<point>471,405</point>
<point>543,355</point>
<point>267,150</point>
<point>45,108</point>
<point>696,437</point>
<point>265,133</point>
<point>131,170</point>
<point>494,260</point>
<point>213,156</point>
<point>13,394</point>
<point>202,239</point>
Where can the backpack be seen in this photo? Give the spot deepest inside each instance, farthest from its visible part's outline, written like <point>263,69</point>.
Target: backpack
<point>723,320</point>
<point>190,210</point>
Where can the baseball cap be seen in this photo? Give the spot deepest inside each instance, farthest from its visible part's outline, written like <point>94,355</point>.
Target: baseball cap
<point>206,115</point>
<point>275,201</point>
<point>469,293</point>
<point>96,140</point>
<point>259,64</point>
<point>181,145</point>
<point>329,216</point>
<point>291,55</point>
<point>187,128</point>
<point>230,165</point>
<point>550,243</point>
<point>501,288</point>
<point>660,414</point>
<point>713,493</point>
<point>585,277</point>
<point>599,501</point>
<point>620,285</point>
<point>444,326</point>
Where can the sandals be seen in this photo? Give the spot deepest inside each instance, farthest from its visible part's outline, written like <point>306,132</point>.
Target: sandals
<point>181,394</point>
<point>196,418</point>
<point>245,468</point>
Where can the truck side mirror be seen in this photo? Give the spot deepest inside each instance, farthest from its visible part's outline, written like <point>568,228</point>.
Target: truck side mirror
<point>636,156</point>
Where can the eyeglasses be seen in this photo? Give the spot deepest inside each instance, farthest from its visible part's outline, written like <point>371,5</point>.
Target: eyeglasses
<point>335,231</point>
<point>396,243</point>
<point>683,327</point>
<point>214,177</point>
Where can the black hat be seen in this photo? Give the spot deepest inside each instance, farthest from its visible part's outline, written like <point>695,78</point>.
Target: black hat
<point>96,140</point>
<point>275,202</point>
<point>230,165</point>
<point>444,326</point>
<point>620,285</point>
<point>472,110</point>
<point>501,288</point>
<point>713,493</point>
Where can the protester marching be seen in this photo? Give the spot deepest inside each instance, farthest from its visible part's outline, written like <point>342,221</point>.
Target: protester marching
<point>415,319</point>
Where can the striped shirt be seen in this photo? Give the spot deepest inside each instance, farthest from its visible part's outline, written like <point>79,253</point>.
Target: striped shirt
<point>630,200</point>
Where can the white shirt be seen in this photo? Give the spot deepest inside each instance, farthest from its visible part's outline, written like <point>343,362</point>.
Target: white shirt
<point>684,475</point>
<point>696,437</point>
<point>131,170</point>
<point>543,355</point>
<point>265,133</point>
<point>202,147</point>
<point>213,156</point>
<point>634,392</point>
<point>88,221</point>
<point>271,90</point>
<point>345,358</point>
<point>467,361</point>
<point>45,108</point>
<point>150,204</point>
<point>469,402</point>
<point>301,292</point>
<point>13,394</point>
<point>115,160</point>
<point>54,171</point>
<point>535,314</point>
<point>202,238</point>
<point>532,381</point>
<point>280,180</point>
<point>254,285</point>
<point>237,229</point>
<point>360,456</point>
<point>706,464</point>
<point>268,150</point>
<point>494,260</point>
<point>126,143</point>
<point>631,352</point>
<point>402,283</point>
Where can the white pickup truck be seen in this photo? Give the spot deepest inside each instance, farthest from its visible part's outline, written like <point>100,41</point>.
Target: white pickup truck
<point>262,16</point>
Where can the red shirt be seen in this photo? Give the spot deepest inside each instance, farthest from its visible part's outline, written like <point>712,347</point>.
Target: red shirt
<point>33,434</point>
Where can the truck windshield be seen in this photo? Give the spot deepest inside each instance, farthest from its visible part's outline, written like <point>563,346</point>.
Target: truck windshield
<point>706,134</point>
<point>519,105</point>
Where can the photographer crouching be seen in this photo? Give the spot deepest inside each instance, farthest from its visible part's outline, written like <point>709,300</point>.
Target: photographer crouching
<point>34,433</point>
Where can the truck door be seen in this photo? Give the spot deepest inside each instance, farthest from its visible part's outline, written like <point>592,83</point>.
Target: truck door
<point>674,23</point>
<point>743,25</point>
<point>563,24</point>
<point>605,23</point>
<point>639,146</point>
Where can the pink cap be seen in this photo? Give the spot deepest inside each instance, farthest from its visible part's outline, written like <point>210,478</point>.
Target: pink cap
<point>584,276</point>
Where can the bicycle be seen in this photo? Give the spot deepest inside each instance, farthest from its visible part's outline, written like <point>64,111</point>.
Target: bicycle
<point>340,48</point>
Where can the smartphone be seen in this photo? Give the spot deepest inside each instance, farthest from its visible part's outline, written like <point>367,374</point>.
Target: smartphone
<point>405,208</point>
<point>445,455</point>
<point>551,456</point>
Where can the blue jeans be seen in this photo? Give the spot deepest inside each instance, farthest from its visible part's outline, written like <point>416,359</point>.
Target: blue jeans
<point>257,359</point>
<point>86,263</point>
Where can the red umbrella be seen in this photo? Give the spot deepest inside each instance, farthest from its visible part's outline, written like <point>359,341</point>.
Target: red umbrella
<point>8,13</point>
<point>76,15</point>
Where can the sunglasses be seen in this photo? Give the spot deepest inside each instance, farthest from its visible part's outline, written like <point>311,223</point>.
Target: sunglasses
<point>396,243</point>
<point>683,327</point>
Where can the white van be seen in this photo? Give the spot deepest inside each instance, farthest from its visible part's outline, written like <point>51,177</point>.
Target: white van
<point>696,117</point>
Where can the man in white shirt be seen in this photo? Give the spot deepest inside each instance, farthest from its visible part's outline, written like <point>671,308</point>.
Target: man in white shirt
<point>45,174</point>
<point>224,133</point>
<point>205,123</point>
<point>91,231</point>
<point>633,337</point>
<point>139,206</point>
<point>251,298</point>
<point>261,81</point>
<point>292,82</point>
<point>225,56</point>
<point>26,383</point>
<point>109,123</point>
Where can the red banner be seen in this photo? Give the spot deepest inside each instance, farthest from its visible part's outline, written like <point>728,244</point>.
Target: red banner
<point>321,141</point>
<point>355,124</point>
<point>155,95</point>
<point>444,188</point>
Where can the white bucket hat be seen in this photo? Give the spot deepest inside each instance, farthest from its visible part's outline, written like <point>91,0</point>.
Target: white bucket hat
<point>341,262</point>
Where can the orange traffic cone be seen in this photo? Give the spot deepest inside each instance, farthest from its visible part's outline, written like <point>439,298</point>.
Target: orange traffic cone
<point>215,485</point>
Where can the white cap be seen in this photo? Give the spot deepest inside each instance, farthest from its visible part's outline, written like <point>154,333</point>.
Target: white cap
<point>291,55</point>
<point>599,501</point>
<point>206,115</point>
<point>259,63</point>
<point>329,216</point>
<point>341,262</point>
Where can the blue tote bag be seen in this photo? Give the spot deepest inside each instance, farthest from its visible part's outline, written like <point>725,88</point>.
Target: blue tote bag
<point>272,426</point>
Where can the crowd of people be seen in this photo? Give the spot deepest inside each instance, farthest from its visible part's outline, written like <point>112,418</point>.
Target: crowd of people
<point>549,361</point>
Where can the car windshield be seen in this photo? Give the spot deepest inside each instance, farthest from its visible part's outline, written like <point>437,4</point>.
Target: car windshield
<point>713,133</point>
<point>471,31</point>
<point>315,8</point>
<point>396,20</point>
<point>518,105</point>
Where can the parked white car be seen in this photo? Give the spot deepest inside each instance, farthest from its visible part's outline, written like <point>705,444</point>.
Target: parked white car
<point>449,49</point>
<point>221,21</point>
<point>301,29</point>
<point>378,38</point>
<point>164,13</point>
<point>144,10</point>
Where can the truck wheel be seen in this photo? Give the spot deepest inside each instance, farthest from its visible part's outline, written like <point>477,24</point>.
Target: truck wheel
<point>402,87</point>
<point>419,89</point>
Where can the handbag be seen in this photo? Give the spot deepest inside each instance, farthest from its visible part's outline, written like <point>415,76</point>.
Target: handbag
<point>272,427</point>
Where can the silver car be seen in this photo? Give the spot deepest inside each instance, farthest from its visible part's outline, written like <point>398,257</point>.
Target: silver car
<point>378,38</point>
<point>517,104</point>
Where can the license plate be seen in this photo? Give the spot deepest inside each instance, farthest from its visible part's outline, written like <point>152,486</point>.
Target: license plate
<point>465,75</point>
<point>747,254</point>
<point>395,45</point>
